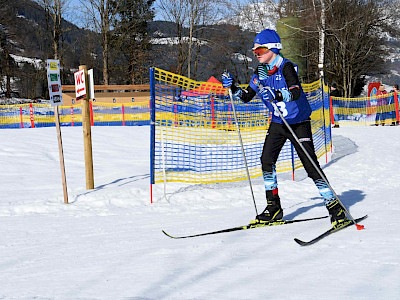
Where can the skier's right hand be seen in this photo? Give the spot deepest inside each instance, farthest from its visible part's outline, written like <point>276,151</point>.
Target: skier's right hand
<point>227,80</point>
<point>267,94</point>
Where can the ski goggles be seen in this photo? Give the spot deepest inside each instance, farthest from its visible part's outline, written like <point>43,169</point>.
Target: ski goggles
<point>264,48</point>
<point>260,51</point>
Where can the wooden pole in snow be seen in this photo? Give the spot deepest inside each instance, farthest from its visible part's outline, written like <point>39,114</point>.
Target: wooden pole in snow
<point>87,135</point>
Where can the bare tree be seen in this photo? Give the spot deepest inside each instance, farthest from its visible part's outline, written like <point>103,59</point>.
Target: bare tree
<point>6,46</point>
<point>101,14</point>
<point>55,10</point>
<point>348,36</point>
<point>175,11</point>
<point>355,41</point>
<point>321,27</point>
<point>131,29</point>
<point>189,17</point>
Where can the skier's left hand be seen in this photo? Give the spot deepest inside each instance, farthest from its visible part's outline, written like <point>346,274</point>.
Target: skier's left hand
<point>227,79</point>
<point>267,94</point>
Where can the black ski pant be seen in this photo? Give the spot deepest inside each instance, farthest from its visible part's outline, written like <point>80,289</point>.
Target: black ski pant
<point>276,137</point>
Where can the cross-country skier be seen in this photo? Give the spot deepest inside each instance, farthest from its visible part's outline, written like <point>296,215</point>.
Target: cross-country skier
<point>275,79</point>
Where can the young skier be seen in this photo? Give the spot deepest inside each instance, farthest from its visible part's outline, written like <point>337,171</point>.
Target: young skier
<point>275,79</point>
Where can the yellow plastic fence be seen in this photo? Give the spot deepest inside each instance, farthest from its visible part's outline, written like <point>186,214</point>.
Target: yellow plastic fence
<point>194,136</point>
<point>376,110</point>
<point>102,114</point>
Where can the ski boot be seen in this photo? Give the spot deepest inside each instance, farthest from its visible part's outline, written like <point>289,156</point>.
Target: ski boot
<point>337,214</point>
<point>273,212</point>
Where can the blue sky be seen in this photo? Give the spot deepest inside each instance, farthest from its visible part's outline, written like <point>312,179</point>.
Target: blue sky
<point>75,16</point>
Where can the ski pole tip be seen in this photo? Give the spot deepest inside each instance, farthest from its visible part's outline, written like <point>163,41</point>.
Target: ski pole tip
<point>359,227</point>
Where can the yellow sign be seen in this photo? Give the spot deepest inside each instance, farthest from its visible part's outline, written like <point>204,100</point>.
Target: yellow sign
<point>53,66</point>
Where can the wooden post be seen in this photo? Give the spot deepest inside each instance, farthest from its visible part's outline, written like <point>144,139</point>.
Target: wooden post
<point>87,135</point>
<point>61,153</point>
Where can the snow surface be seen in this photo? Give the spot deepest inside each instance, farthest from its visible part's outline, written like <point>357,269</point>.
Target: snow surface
<point>175,41</point>
<point>37,63</point>
<point>107,243</point>
<point>255,16</point>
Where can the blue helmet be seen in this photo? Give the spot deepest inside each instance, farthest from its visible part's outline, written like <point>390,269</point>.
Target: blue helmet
<point>270,39</point>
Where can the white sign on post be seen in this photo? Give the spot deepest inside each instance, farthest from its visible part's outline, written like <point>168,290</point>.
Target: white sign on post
<point>54,82</point>
<point>80,84</point>
<point>91,83</point>
<point>55,92</point>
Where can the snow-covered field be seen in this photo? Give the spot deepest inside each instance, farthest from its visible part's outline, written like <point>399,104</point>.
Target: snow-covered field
<point>107,243</point>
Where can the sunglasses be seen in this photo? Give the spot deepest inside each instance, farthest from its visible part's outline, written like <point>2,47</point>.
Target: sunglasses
<point>260,51</point>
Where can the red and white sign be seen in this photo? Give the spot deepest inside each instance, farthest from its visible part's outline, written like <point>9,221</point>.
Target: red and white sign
<point>80,84</point>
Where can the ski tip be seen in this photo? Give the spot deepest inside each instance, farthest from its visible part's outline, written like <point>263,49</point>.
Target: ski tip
<point>359,226</point>
<point>300,242</point>
<point>168,234</point>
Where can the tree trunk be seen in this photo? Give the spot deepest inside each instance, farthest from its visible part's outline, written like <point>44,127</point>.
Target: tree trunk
<point>8,76</point>
<point>105,27</point>
<point>56,27</point>
<point>321,56</point>
<point>105,61</point>
<point>192,20</point>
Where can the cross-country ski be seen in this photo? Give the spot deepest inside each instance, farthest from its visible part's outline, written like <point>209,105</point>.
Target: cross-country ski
<point>253,224</point>
<point>328,232</point>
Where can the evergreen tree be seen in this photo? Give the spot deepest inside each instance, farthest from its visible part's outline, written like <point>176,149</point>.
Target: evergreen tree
<point>131,29</point>
<point>7,64</point>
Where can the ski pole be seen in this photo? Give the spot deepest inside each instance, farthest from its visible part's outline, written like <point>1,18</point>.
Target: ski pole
<point>313,163</point>
<point>241,145</point>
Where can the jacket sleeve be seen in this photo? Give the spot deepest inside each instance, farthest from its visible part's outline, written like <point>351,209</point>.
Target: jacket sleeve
<point>292,80</point>
<point>245,95</point>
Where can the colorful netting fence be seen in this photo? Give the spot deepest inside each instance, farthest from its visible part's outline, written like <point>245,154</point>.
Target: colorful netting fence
<point>194,137</point>
<point>375,110</point>
<point>102,114</point>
